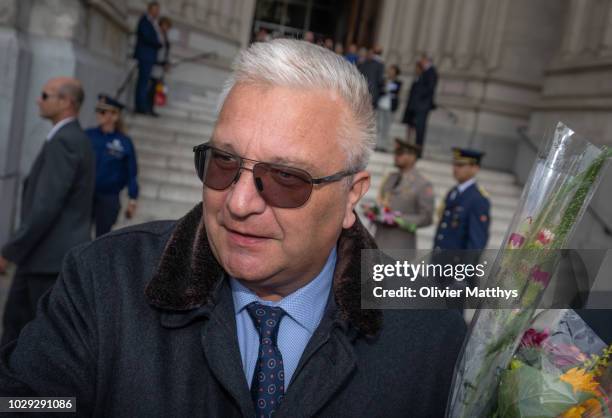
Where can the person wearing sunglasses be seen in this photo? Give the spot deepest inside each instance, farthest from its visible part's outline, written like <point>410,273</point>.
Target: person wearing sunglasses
<point>250,304</point>
<point>116,166</point>
<point>56,204</point>
<point>408,193</point>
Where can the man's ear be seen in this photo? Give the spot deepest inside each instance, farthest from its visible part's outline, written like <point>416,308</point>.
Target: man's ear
<point>358,188</point>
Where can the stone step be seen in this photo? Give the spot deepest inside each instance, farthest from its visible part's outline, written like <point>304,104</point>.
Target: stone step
<point>165,176</point>
<point>161,140</point>
<point>154,210</point>
<point>188,111</point>
<point>443,183</point>
<point>209,99</point>
<point>443,166</point>
<point>170,192</point>
<point>169,125</point>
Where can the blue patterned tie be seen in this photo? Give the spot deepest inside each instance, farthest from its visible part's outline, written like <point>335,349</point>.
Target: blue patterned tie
<point>268,386</point>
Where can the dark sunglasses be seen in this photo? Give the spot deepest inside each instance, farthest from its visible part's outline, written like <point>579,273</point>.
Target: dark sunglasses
<point>279,185</point>
<point>44,95</point>
<point>104,111</point>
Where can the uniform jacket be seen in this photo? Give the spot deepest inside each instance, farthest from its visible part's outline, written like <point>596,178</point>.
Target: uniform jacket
<point>464,221</point>
<point>116,165</point>
<point>412,195</point>
<point>57,203</point>
<point>141,323</point>
<point>147,41</point>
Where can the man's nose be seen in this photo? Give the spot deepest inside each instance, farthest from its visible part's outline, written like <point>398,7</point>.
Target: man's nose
<point>243,198</point>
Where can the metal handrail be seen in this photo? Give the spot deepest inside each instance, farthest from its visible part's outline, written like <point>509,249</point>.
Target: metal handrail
<point>192,58</point>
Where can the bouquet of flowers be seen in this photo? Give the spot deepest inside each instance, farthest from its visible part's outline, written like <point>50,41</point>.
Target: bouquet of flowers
<point>383,214</point>
<point>561,372</point>
<point>558,191</point>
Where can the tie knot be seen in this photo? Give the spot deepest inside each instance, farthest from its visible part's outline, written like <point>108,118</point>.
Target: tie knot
<point>266,319</point>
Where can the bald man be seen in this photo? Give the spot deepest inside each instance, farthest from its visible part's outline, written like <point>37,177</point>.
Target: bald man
<point>56,204</point>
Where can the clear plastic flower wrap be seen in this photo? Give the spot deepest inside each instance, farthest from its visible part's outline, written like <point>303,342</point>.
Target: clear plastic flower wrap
<point>561,183</point>
<point>561,369</point>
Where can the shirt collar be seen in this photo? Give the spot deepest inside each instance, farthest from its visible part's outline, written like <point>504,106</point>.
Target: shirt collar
<point>59,125</point>
<point>305,305</point>
<point>463,186</point>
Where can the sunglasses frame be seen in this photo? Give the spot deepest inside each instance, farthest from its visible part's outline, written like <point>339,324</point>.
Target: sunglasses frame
<point>202,148</point>
<point>105,111</point>
<point>44,95</point>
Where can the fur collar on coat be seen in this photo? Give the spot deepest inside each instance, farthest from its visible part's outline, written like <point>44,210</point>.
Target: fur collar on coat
<point>188,273</point>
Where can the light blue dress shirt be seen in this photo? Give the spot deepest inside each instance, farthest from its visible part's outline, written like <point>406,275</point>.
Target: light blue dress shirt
<point>304,308</point>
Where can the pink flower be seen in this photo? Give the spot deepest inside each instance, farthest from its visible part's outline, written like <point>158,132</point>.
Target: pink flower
<point>545,236</point>
<point>540,276</point>
<point>533,338</point>
<point>516,240</point>
<point>388,216</point>
<point>564,355</point>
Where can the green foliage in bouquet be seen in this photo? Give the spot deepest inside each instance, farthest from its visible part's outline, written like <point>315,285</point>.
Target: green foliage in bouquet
<point>553,205</point>
<point>528,392</point>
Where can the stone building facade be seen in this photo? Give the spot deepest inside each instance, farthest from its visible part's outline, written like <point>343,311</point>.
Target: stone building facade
<point>509,70</point>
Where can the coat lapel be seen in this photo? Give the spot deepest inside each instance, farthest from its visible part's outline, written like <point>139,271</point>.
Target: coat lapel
<point>220,345</point>
<point>326,363</point>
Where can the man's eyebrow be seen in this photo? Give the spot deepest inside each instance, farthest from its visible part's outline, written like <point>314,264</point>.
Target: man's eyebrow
<point>293,162</point>
<point>287,161</point>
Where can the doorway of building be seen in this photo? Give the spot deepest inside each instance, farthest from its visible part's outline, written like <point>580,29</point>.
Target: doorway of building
<point>344,21</point>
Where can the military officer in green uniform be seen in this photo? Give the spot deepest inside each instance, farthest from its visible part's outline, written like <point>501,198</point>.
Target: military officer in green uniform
<point>408,192</point>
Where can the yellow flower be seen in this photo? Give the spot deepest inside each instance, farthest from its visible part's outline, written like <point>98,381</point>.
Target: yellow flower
<point>591,407</point>
<point>574,412</point>
<point>580,380</point>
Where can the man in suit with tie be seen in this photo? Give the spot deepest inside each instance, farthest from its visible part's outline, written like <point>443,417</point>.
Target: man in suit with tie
<point>250,305</point>
<point>148,43</point>
<point>56,207</point>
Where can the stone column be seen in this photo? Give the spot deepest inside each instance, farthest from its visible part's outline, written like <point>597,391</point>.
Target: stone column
<point>435,24</point>
<point>14,70</point>
<point>245,14</point>
<point>410,25</point>
<point>467,30</point>
<point>386,26</point>
<point>573,38</point>
<point>606,41</point>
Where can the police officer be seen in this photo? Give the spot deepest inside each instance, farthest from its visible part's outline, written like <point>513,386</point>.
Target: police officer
<point>408,192</point>
<point>464,216</point>
<point>116,165</point>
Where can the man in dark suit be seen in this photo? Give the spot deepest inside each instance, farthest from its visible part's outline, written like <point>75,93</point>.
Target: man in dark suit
<point>250,305</point>
<point>373,70</point>
<point>148,43</point>
<point>56,207</point>
<point>420,100</point>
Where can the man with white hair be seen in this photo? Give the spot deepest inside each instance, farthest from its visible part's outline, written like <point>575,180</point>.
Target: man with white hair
<point>250,304</point>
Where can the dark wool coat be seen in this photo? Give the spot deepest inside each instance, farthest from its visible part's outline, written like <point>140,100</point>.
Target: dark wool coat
<point>141,323</point>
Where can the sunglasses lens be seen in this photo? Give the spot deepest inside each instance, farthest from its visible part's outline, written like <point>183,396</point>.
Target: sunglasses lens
<point>215,168</point>
<point>282,187</point>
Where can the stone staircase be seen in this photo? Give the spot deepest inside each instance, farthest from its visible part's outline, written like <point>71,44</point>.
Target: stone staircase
<point>169,186</point>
